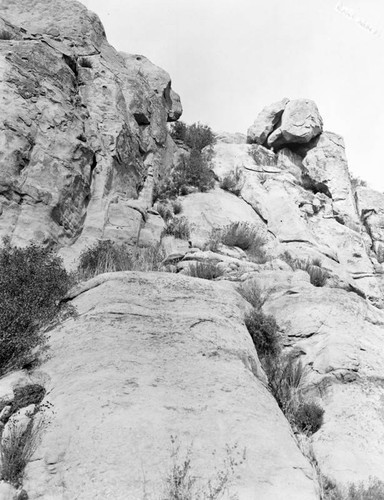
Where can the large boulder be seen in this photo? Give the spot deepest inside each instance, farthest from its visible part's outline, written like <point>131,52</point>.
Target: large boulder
<point>151,356</point>
<point>265,122</point>
<point>300,123</point>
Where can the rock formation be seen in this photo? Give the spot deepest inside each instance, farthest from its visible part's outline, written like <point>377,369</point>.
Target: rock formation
<point>149,356</point>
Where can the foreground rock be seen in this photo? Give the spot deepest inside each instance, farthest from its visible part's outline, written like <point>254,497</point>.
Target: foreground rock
<point>152,356</point>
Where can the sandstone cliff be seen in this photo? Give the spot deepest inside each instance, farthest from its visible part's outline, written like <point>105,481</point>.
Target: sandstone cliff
<point>155,355</point>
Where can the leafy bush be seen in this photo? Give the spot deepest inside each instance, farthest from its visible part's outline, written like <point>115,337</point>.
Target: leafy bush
<point>32,283</point>
<point>107,257</point>
<point>195,136</point>
<point>206,270</point>
<point>178,227</point>
<point>232,182</point>
<point>317,275</point>
<point>264,332</point>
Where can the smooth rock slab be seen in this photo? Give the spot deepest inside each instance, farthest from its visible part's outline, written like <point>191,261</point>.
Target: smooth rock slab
<point>148,357</point>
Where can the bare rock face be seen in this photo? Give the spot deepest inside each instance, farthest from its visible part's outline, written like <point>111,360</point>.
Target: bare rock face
<point>83,128</point>
<point>300,122</point>
<point>265,122</point>
<point>150,356</point>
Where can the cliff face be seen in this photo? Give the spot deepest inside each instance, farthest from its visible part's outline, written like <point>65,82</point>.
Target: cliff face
<point>153,355</point>
<point>83,127</point>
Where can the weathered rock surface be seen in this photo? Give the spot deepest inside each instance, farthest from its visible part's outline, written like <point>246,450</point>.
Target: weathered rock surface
<point>265,122</point>
<point>83,128</point>
<point>300,122</point>
<point>150,356</point>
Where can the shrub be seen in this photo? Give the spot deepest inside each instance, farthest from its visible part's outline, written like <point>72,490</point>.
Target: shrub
<point>373,491</point>
<point>107,256</point>
<point>232,182</point>
<point>177,207</point>
<point>264,332</point>
<point>178,227</point>
<point>317,276</point>
<point>32,283</point>
<point>178,131</point>
<point>104,257</point>
<point>239,234</point>
<point>85,63</point>
<point>18,447</point>
<point>308,417</point>
<point>164,211</point>
<point>181,484</point>
<point>356,181</point>
<point>5,35</point>
<point>206,270</point>
<point>252,293</point>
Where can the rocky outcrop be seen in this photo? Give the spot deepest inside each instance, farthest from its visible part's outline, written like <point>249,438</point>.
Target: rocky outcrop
<point>83,128</point>
<point>265,122</point>
<point>152,356</point>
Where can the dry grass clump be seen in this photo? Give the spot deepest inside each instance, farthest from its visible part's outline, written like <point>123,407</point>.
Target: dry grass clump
<point>205,270</point>
<point>178,227</point>
<point>317,275</point>
<point>107,257</point>
<point>18,447</point>
<point>232,182</point>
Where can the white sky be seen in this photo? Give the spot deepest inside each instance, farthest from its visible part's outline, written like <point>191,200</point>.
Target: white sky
<point>230,58</point>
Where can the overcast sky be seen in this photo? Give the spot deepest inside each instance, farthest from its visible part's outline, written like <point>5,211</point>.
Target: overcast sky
<point>230,58</point>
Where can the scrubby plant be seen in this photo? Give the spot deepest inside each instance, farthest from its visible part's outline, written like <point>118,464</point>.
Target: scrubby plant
<point>107,257</point>
<point>373,491</point>
<point>178,227</point>
<point>263,330</point>
<point>285,375</point>
<point>232,182</point>
<point>18,446</point>
<point>181,484</point>
<point>195,136</point>
<point>206,270</point>
<point>317,275</point>
<point>5,35</point>
<point>85,63</point>
<point>177,207</point>
<point>32,283</point>
<point>164,211</point>
<point>308,417</point>
<point>104,257</point>
<point>241,234</point>
<point>356,181</point>
<point>252,293</point>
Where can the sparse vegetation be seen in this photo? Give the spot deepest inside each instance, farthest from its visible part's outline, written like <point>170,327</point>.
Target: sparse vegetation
<point>374,490</point>
<point>206,270</point>
<point>178,227</point>
<point>252,293</point>
<point>18,446</point>
<point>107,256</point>
<point>85,63</point>
<point>5,35</point>
<point>192,171</point>
<point>317,275</point>
<point>285,376</point>
<point>177,207</point>
<point>32,283</point>
<point>181,484</point>
<point>239,234</point>
<point>356,181</point>
<point>233,182</point>
<point>264,332</point>
<point>164,211</point>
